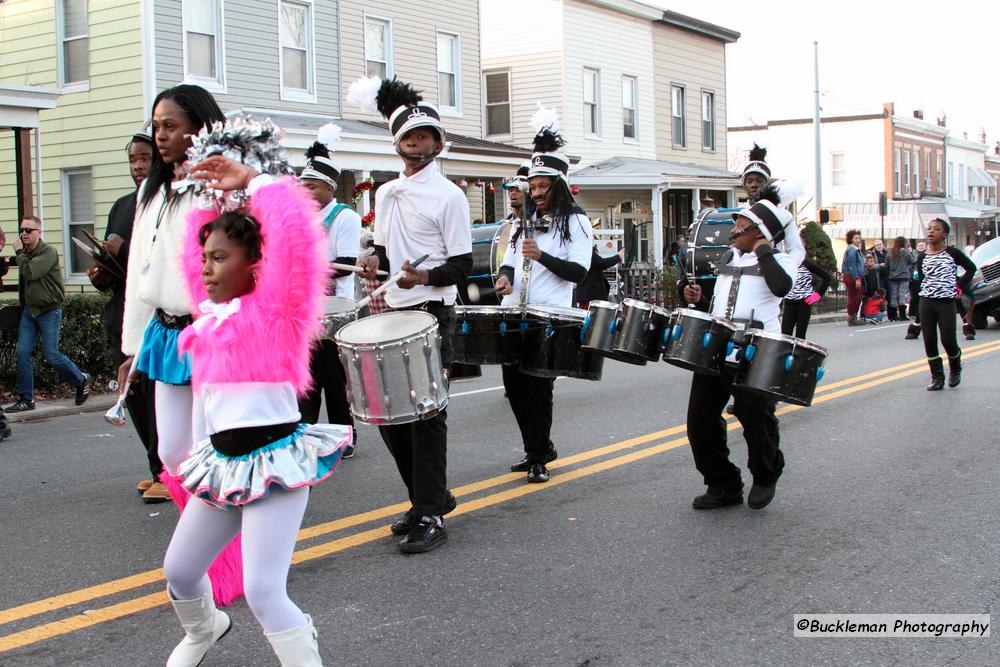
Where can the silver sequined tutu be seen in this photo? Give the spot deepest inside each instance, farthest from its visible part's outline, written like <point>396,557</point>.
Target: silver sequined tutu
<point>304,458</point>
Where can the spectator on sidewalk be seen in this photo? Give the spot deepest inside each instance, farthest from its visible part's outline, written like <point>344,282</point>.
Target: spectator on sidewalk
<point>41,294</point>
<point>875,307</point>
<point>913,330</point>
<point>853,272</point>
<point>881,257</point>
<point>901,267</point>
<point>117,239</point>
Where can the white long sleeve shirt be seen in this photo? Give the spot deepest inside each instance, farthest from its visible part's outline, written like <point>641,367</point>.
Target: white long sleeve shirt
<point>344,236</point>
<point>545,287</point>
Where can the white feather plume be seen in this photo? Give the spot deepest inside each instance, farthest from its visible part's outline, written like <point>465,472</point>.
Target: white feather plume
<point>789,191</point>
<point>545,118</point>
<point>362,93</point>
<point>329,135</point>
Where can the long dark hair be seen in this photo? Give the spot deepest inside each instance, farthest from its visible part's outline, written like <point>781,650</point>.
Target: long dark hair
<point>563,206</point>
<point>200,108</point>
<point>897,245</point>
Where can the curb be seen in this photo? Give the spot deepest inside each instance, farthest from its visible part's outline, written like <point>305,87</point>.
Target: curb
<point>98,403</point>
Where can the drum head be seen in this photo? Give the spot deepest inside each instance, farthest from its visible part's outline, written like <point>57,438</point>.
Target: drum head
<point>386,327</point>
<point>335,305</point>
<point>635,303</point>
<point>557,313</point>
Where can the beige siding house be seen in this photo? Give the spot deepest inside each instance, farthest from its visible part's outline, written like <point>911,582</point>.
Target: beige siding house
<point>610,68</point>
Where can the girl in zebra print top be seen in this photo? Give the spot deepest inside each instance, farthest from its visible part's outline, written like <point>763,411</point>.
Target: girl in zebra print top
<point>939,288</point>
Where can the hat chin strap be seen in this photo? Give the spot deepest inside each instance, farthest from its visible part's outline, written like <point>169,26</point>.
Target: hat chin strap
<point>421,159</point>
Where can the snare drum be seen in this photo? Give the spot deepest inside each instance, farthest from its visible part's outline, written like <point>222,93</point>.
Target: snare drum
<point>600,329</point>
<point>780,367</point>
<point>488,334</point>
<point>631,343</point>
<point>698,341</point>
<point>393,367</point>
<point>338,311</point>
<point>552,347</point>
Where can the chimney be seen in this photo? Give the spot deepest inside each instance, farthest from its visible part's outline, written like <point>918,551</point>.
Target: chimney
<point>942,120</point>
<point>918,114</point>
<point>996,149</point>
<point>982,135</point>
<point>889,109</point>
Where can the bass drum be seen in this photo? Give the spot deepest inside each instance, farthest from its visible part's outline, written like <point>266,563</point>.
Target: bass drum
<point>708,240</point>
<point>489,243</point>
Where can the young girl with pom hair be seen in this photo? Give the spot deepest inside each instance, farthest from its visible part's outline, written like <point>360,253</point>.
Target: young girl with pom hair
<point>559,251</point>
<point>257,277</point>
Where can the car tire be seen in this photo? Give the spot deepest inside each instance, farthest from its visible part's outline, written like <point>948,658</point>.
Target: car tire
<point>979,320</point>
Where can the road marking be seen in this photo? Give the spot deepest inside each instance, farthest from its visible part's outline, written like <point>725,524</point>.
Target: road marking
<point>475,391</point>
<point>878,327</point>
<point>80,621</point>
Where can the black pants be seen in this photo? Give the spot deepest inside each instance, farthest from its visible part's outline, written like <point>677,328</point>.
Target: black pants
<point>706,430</point>
<point>141,406</point>
<point>795,317</point>
<point>939,315</point>
<point>915,301</point>
<point>328,377</point>
<point>531,402</point>
<point>420,448</point>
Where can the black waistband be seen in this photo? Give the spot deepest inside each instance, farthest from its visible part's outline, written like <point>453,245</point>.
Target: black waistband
<point>241,441</point>
<point>173,321</point>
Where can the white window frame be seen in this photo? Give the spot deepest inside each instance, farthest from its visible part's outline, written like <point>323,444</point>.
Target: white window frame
<point>928,181</point>
<point>950,191</point>
<point>297,94</point>
<point>682,116</point>
<point>61,39</point>
<point>916,172</point>
<point>704,148</point>
<point>940,171</point>
<point>217,84</point>
<point>389,44</point>
<point>834,171</point>
<point>897,165</point>
<point>634,81</point>
<point>455,111</point>
<point>486,104</point>
<point>587,134</point>
<point>905,171</point>
<point>69,248</point>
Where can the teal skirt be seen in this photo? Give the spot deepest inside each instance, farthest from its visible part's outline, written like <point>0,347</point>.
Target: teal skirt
<point>159,358</point>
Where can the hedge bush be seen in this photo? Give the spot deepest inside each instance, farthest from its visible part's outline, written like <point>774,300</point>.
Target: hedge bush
<point>83,340</point>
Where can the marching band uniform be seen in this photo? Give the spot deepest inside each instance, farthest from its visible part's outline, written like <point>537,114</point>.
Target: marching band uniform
<point>416,215</point>
<point>342,227</point>
<point>750,287</point>
<point>565,244</point>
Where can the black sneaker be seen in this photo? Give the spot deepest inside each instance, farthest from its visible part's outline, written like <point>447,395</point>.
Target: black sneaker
<point>718,497</point>
<point>5,433</point>
<point>83,390</point>
<point>427,535</point>
<point>523,465</point>
<point>405,523</point>
<point>348,452</point>
<point>21,406</point>
<point>538,473</point>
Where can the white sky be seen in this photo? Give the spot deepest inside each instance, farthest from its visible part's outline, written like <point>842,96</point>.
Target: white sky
<point>941,58</point>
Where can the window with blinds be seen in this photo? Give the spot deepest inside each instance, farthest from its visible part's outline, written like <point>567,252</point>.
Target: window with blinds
<point>78,215</point>
<point>74,44</point>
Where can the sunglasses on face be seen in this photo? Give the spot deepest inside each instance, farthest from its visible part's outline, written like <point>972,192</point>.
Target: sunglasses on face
<point>28,230</point>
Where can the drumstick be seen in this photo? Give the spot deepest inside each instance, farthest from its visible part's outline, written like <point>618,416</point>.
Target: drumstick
<point>389,283</point>
<point>356,269</point>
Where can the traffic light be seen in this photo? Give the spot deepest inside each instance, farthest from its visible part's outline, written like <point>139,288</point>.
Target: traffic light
<point>824,216</point>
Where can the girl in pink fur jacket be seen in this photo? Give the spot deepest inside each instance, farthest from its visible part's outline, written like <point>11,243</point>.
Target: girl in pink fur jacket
<point>257,277</point>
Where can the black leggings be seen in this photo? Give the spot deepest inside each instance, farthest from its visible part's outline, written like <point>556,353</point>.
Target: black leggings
<point>938,314</point>
<point>795,317</point>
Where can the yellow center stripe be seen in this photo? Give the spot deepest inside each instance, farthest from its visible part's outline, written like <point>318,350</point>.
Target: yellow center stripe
<point>56,628</point>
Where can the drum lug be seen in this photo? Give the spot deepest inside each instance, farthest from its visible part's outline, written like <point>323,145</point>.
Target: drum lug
<point>749,351</point>
<point>503,328</point>
<point>550,331</point>
<point>789,360</point>
<point>676,332</point>
<point>427,408</point>
<point>730,346</point>
<point>613,326</point>
<point>465,328</point>
<point>706,340</point>
<point>820,372</point>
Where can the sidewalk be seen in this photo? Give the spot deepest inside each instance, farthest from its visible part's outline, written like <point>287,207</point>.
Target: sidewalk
<point>60,408</point>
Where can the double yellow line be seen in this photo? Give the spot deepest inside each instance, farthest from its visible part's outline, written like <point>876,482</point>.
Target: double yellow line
<point>663,441</point>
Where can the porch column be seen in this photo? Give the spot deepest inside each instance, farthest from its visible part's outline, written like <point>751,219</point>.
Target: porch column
<point>695,203</point>
<point>39,211</point>
<point>366,202</point>
<point>22,172</point>
<point>656,205</point>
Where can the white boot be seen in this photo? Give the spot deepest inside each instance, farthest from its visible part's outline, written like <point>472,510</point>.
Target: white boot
<point>204,625</point>
<point>296,647</point>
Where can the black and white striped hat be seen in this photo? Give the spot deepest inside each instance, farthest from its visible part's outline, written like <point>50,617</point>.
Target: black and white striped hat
<point>398,102</point>
<point>757,165</point>
<point>548,160</point>
<point>520,179</point>
<point>771,220</point>
<point>319,166</point>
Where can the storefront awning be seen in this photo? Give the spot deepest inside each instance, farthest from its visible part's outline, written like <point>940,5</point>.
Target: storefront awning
<point>631,172</point>
<point>978,177</point>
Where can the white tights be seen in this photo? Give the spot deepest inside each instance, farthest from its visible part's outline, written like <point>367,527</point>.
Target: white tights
<point>269,527</point>
<point>173,424</point>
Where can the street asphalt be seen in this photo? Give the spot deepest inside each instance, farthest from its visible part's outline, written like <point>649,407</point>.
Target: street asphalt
<point>887,505</point>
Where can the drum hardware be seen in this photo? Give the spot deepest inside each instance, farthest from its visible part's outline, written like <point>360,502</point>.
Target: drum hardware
<point>553,348</point>
<point>779,367</point>
<point>389,283</point>
<point>529,233</point>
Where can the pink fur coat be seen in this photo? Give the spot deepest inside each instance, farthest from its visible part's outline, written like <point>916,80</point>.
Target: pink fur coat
<point>269,339</point>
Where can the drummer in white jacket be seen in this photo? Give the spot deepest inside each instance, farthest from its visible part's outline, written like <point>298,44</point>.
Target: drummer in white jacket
<point>555,248</point>
<point>753,278</point>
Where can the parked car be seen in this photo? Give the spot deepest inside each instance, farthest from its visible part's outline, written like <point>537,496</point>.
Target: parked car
<point>986,283</point>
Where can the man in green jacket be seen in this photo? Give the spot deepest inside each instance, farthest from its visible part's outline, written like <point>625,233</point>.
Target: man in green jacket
<point>41,293</point>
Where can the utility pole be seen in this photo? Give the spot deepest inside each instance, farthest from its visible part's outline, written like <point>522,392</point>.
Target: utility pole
<point>819,157</point>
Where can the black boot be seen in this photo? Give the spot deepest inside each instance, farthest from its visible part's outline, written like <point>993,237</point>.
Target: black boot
<point>912,331</point>
<point>902,312</point>
<point>969,331</point>
<point>937,374</point>
<point>954,370</point>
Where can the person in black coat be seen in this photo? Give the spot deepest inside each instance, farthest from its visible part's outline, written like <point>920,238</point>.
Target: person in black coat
<point>594,286</point>
<point>117,238</point>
